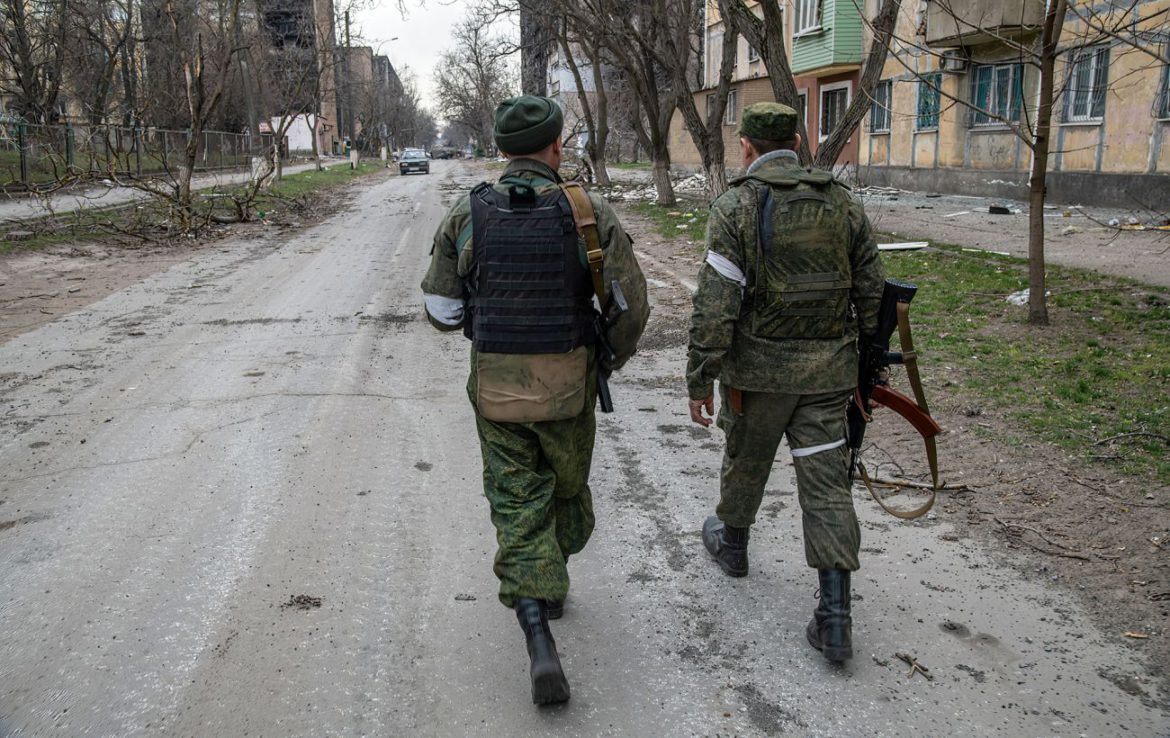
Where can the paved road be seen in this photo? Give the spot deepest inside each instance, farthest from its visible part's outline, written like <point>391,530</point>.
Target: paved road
<point>185,458</point>
<point>15,207</point>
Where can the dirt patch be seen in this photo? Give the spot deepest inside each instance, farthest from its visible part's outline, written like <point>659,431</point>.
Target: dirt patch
<point>302,602</point>
<point>1103,536</point>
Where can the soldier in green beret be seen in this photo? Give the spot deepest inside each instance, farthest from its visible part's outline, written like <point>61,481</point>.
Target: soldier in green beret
<point>515,267</point>
<point>792,277</point>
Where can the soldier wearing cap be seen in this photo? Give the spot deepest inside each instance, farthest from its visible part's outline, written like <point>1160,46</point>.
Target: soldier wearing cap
<point>792,278</point>
<point>510,267</point>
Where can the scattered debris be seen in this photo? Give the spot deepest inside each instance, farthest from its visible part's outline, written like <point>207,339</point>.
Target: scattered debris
<point>985,251</point>
<point>999,210</point>
<point>955,215</point>
<point>1135,634</point>
<point>915,667</point>
<point>302,602</point>
<point>19,236</point>
<point>465,598</point>
<point>903,246</point>
<point>1071,231</point>
<point>254,374</point>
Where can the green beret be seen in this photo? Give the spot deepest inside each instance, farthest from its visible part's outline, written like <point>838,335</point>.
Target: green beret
<point>768,121</point>
<point>527,124</point>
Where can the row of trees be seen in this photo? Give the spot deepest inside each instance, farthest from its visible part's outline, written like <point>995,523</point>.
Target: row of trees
<point>652,49</point>
<point>195,66</point>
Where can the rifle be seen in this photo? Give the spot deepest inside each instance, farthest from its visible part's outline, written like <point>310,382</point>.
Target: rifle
<point>873,386</point>
<point>602,322</point>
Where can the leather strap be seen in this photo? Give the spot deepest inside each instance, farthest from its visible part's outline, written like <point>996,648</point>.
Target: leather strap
<point>586,220</point>
<point>924,423</point>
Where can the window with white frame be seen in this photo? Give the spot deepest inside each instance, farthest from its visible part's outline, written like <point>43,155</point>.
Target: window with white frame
<point>808,16</point>
<point>732,116</point>
<point>753,55</point>
<point>997,93</point>
<point>802,102</point>
<point>834,100</point>
<point>879,107</point>
<point>1088,80</point>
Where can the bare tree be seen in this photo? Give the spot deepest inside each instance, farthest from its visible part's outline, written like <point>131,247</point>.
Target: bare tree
<point>1121,25</point>
<point>33,41</point>
<point>473,77</point>
<point>766,36</point>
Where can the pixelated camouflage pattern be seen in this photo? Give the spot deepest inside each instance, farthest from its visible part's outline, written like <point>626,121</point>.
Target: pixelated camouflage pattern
<point>723,344</point>
<point>536,479</point>
<point>535,475</point>
<point>832,537</point>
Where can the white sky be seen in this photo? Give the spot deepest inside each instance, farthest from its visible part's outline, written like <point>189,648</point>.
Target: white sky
<point>422,35</point>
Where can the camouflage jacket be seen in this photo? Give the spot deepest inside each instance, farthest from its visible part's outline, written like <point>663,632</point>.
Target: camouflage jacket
<point>723,347</point>
<point>451,261</point>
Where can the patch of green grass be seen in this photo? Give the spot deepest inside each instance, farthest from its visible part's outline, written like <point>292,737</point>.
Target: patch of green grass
<point>310,180</point>
<point>1100,369</point>
<point>67,228</point>
<point>630,165</point>
<point>683,219</point>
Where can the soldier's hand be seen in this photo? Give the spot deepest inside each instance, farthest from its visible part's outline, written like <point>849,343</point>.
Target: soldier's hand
<point>697,408</point>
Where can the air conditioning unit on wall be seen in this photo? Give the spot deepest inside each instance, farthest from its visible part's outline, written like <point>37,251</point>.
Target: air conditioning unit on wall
<point>954,61</point>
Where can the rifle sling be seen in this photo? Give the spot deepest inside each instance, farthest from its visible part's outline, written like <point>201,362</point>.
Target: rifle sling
<point>586,220</point>
<point>916,412</point>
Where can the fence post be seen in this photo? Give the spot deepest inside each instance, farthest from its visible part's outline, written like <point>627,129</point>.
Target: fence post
<point>22,145</point>
<point>138,151</point>
<point>70,150</point>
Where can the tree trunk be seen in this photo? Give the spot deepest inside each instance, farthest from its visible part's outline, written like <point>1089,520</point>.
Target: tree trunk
<point>662,180</point>
<point>1050,37</point>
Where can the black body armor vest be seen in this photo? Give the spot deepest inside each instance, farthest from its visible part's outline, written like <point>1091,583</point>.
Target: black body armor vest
<point>528,292</point>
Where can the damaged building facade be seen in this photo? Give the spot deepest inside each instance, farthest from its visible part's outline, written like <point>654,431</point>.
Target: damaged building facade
<point>963,78</point>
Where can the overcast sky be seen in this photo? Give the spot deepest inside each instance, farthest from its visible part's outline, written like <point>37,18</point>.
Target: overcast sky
<point>422,35</point>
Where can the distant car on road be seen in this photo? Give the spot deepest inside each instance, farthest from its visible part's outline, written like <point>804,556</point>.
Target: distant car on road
<point>414,160</point>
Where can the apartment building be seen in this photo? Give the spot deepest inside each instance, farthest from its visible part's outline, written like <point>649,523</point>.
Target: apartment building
<point>958,87</point>
<point>823,39</point>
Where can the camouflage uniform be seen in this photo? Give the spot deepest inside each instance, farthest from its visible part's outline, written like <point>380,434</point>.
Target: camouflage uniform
<point>796,387</point>
<point>535,475</point>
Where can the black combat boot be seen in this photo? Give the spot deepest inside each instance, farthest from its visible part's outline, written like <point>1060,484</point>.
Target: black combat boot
<point>728,545</point>
<point>549,685</point>
<point>831,629</point>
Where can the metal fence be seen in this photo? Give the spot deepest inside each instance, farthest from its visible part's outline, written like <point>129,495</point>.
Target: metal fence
<point>34,156</point>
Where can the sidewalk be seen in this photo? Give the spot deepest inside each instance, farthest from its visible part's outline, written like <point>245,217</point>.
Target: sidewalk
<point>1075,236</point>
<point>17,207</point>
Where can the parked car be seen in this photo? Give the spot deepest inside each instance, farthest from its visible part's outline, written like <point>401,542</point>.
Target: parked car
<point>414,160</point>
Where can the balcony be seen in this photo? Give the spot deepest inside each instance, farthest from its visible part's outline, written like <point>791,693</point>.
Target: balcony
<point>951,23</point>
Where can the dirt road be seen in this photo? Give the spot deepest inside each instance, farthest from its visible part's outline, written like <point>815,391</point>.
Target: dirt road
<point>242,497</point>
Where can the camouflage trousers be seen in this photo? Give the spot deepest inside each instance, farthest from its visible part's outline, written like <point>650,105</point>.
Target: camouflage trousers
<point>832,536</point>
<point>536,479</point>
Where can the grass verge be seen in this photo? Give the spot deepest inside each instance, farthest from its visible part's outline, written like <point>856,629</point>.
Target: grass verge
<point>683,219</point>
<point>92,224</point>
<point>630,165</point>
<point>1096,381</point>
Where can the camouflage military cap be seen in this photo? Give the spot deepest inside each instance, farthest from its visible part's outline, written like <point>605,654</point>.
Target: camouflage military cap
<point>768,121</point>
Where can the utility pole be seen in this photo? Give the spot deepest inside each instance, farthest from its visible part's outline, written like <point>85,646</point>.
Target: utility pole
<point>349,116</point>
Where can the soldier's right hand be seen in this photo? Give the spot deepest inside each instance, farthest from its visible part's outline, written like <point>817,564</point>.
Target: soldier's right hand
<point>697,408</point>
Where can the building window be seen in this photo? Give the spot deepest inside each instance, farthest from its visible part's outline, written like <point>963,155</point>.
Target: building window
<point>554,88</point>
<point>834,100</point>
<point>802,107</point>
<point>1088,77</point>
<point>879,107</point>
<point>710,105</point>
<point>732,116</point>
<point>808,16</point>
<point>753,55</point>
<point>928,102</point>
<point>997,91</point>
